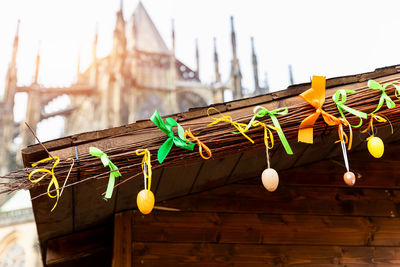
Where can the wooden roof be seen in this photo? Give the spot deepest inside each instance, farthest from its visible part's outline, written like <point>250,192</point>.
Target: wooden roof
<point>81,207</point>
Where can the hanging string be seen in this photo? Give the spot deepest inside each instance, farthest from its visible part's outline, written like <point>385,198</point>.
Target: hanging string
<point>344,150</point>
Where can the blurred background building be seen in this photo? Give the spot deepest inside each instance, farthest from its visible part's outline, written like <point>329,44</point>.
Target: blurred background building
<point>141,74</point>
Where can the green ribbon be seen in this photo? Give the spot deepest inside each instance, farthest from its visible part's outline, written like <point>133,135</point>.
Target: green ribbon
<point>384,97</point>
<point>260,112</point>
<point>340,97</point>
<point>166,127</point>
<point>114,172</point>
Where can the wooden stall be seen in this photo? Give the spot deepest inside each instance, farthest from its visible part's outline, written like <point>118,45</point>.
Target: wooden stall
<point>216,212</point>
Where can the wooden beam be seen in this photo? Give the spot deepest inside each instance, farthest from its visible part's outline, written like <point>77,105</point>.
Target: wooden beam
<point>77,248</point>
<point>210,255</point>
<point>249,228</point>
<point>254,198</point>
<point>122,247</point>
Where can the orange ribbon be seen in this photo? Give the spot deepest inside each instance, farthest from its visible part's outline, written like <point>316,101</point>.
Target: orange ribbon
<point>315,96</point>
<point>378,118</point>
<point>342,134</point>
<point>199,143</point>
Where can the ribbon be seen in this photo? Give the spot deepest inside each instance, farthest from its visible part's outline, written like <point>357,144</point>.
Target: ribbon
<point>53,180</point>
<point>315,96</point>
<point>378,118</point>
<point>200,144</point>
<point>384,97</point>
<point>260,112</point>
<point>114,172</point>
<point>267,132</point>
<point>166,127</point>
<point>397,91</point>
<point>241,127</point>
<point>340,98</point>
<point>343,138</point>
<point>146,165</point>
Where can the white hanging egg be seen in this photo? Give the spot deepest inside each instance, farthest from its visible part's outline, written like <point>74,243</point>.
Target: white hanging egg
<point>270,179</point>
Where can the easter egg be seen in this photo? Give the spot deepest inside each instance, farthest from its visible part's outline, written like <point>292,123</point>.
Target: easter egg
<point>375,146</point>
<point>349,178</point>
<point>145,201</point>
<point>270,179</point>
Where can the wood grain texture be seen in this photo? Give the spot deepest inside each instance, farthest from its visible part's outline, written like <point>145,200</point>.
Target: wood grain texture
<point>122,245</point>
<point>239,228</point>
<point>80,247</point>
<point>254,198</point>
<point>200,254</point>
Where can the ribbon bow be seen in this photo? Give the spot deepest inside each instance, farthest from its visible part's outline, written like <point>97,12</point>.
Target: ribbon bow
<point>384,97</point>
<point>315,96</point>
<point>340,97</point>
<point>241,127</point>
<point>114,172</point>
<point>53,180</point>
<point>166,127</point>
<point>260,112</point>
<point>146,164</point>
<point>200,144</point>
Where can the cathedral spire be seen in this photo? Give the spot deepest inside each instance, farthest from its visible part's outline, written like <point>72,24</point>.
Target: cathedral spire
<point>37,66</point>
<point>173,35</point>
<point>15,46</point>
<point>78,67</point>
<point>291,79</point>
<point>236,76</point>
<point>94,45</point>
<point>93,74</point>
<point>216,63</point>
<point>11,78</point>
<point>255,68</point>
<point>197,60</point>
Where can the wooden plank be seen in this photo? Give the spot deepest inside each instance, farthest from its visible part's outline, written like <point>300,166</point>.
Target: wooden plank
<point>330,173</point>
<point>252,163</point>
<point>205,254</point>
<point>52,224</point>
<point>74,248</point>
<point>177,181</point>
<point>212,174</point>
<point>122,247</point>
<point>254,198</point>
<point>245,228</point>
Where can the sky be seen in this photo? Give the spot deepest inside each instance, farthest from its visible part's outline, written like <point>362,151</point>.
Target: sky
<point>330,38</point>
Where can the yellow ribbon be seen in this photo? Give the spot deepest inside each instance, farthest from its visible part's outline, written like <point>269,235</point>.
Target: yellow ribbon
<point>267,132</point>
<point>146,161</point>
<point>53,180</point>
<point>378,118</point>
<point>241,127</point>
<point>199,143</point>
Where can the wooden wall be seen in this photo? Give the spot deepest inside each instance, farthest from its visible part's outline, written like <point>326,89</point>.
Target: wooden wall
<point>313,219</point>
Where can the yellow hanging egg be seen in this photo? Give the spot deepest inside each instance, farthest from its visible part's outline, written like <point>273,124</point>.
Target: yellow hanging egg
<point>145,201</point>
<point>375,146</point>
<point>270,179</point>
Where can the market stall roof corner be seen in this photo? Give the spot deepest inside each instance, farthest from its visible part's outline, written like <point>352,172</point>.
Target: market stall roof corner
<point>81,206</point>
